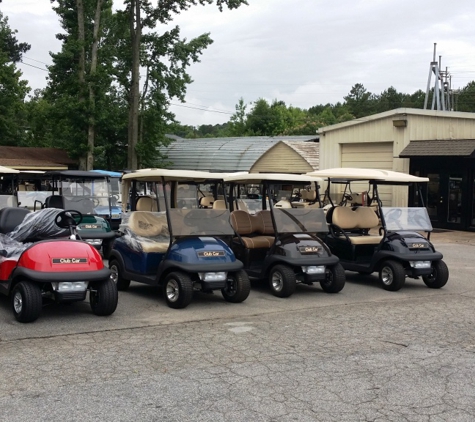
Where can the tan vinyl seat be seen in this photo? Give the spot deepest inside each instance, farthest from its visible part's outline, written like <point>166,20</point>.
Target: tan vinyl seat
<point>251,230</point>
<point>219,204</point>
<point>361,218</point>
<point>147,226</point>
<point>206,202</point>
<point>146,203</point>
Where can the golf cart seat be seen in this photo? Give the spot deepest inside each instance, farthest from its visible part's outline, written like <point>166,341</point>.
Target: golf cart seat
<point>150,230</point>
<point>146,203</point>
<point>251,229</point>
<point>10,217</point>
<point>206,202</point>
<point>219,204</point>
<point>355,223</point>
<point>55,201</point>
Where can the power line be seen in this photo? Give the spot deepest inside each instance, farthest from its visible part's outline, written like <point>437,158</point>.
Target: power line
<point>36,67</point>
<point>202,109</point>
<point>39,61</point>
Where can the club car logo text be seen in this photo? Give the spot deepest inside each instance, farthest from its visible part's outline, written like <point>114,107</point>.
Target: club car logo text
<point>309,249</point>
<point>210,254</point>
<point>418,245</point>
<point>69,260</point>
<point>90,226</point>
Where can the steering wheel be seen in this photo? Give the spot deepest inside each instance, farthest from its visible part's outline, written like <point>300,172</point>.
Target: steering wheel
<point>65,219</point>
<point>95,202</point>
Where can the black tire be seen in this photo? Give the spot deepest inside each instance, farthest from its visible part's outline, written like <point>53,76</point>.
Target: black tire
<point>335,279</point>
<point>237,287</point>
<point>178,290</point>
<point>282,281</point>
<point>392,275</point>
<point>439,276</point>
<point>103,297</point>
<point>122,283</point>
<point>26,301</point>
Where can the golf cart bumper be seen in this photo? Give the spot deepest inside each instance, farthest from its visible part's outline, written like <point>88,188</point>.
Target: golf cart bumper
<point>92,234</point>
<point>61,276</point>
<point>204,270</point>
<point>305,263</point>
<point>416,264</point>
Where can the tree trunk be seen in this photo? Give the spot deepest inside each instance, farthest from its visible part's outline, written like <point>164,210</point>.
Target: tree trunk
<point>136,35</point>
<point>82,63</point>
<point>92,98</point>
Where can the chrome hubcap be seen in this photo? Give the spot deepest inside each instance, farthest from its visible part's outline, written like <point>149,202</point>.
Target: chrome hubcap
<point>387,276</point>
<point>114,274</point>
<point>173,291</point>
<point>17,302</point>
<point>277,281</point>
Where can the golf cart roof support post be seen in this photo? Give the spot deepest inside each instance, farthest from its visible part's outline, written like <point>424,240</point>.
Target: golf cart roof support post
<point>265,189</point>
<point>168,205</point>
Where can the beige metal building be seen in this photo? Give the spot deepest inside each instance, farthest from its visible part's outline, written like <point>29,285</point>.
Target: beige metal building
<point>437,144</point>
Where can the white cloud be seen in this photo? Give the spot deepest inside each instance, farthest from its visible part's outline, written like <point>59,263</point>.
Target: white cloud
<point>303,52</point>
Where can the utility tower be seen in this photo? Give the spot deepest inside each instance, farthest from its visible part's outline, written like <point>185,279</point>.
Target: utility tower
<point>442,98</point>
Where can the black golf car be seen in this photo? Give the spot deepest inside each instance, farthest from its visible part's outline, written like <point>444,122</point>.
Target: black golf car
<point>280,242</point>
<point>368,237</point>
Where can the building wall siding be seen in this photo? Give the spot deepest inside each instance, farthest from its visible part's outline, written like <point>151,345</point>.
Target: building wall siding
<point>281,159</point>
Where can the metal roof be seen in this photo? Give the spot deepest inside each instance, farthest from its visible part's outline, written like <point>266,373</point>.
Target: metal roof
<point>436,148</point>
<point>222,154</point>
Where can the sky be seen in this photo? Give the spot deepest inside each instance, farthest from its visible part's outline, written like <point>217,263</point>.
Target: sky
<point>302,52</point>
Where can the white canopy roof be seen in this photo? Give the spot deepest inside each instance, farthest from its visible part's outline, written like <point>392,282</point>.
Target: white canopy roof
<point>8,170</point>
<point>156,175</point>
<point>350,173</point>
<point>256,178</point>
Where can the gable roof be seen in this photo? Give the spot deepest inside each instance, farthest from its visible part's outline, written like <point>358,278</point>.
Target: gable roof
<point>399,112</point>
<point>35,158</point>
<point>223,154</point>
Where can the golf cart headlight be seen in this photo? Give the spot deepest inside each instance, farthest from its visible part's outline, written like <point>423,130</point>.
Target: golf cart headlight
<point>313,269</point>
<point>70,286</point>
<point>420,264</point>
<point>220,276</point>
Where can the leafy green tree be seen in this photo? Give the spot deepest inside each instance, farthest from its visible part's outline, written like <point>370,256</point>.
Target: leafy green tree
<point>237,123</point>
<point>465,100</point>
<point>165,57</point>
<point>80,76</point>
<point>13,89</point>
<point>360,102</point>
<point>389,99</point>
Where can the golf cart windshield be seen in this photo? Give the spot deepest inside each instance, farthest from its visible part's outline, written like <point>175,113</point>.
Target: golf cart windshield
<point>26,199</point>
<point>200,222</point>
<point>413,218</point>
<point>7,200</point>
<point>300,220</point>
<point>88,196</point>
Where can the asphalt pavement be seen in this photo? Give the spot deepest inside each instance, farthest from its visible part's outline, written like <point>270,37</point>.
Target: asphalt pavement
<point>363,354</point>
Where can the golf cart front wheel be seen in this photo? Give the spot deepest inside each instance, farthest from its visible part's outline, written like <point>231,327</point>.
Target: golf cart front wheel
<point>103,297</point>
<point>26,301</point>
<point>122,283</point>
<point>237,287</point>
<point>439,276</point>
<point>282,281</point>
<point>334,279</point>
<point>178,290</point>
<point>392,275</point>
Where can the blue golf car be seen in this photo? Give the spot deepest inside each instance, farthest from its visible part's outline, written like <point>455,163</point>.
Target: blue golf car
<point>279,240</point>
<point>369,237</point>
<point>169,240</point>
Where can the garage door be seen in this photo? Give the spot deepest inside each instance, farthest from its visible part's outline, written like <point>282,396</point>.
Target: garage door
<point>378,155</point>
